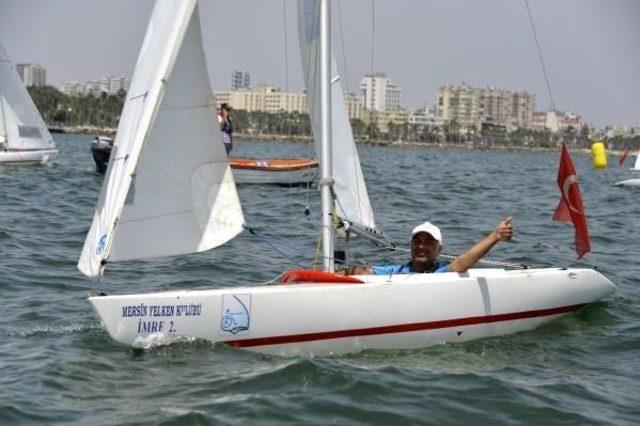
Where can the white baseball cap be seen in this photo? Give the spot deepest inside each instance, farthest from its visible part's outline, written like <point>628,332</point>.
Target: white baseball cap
<point>429,228</point>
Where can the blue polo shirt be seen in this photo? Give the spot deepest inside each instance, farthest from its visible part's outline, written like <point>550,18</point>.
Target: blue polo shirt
<point>405,269</point>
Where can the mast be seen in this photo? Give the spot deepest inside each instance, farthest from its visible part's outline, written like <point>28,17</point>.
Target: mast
<point>326,181</point>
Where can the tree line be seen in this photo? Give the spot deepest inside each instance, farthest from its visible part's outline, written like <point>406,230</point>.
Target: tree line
<point>60,110</point>
<point>103,111</point>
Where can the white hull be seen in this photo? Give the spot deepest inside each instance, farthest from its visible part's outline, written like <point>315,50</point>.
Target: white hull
<point>32,156</point>
<point>286,177</point>
<point>402,312</point>
<point>628,182</point>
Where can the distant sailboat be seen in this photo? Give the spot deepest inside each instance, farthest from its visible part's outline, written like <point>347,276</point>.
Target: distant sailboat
<point>274,171</point>
<point>159,201</point>
<point>24,137</point>
<point>633,181</point>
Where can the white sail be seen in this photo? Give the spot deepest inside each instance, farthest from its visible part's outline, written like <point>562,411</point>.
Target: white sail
<point>168,188</point>
<point>637,164</point>
<point>351,192</point>
<point>21,126</point>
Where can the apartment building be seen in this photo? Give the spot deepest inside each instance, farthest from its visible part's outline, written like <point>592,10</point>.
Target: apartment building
<point>240,80</point>
<point>379,92</point>
<point>425,117</point>
<point>353,104</point>
<point>383,118</point>
<point>109,85</point>
<point>470,106</point>
<point>271,99</point>
<point>265,98</point>
<point>32,74</point>
<point>460,103</point>
<point>556,120</point>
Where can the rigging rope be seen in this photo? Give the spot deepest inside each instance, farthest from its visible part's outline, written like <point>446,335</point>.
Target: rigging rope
<point>539,50</point>
<point>285,255</point>
<point>487,262</point>
<point>286,58</point>
<point>344,54</point>
<point>297,248</point>
<point>373,31</point>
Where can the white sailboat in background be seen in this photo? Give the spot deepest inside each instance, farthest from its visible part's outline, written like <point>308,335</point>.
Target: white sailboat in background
<point>159,201</point>
<point>633,181</point>
<point>24,137</point>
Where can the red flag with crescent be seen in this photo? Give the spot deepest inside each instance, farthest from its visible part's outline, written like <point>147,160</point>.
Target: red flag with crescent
<point>570,208</point>
<point>623,157</point>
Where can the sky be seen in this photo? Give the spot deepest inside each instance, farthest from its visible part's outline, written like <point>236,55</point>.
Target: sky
<point>591,47</point>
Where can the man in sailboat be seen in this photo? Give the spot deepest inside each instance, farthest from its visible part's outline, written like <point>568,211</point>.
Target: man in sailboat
<point>226,127</point>
<point>426,244</point>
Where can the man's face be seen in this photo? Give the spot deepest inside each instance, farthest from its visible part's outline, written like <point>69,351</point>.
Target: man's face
<point>424,249</point>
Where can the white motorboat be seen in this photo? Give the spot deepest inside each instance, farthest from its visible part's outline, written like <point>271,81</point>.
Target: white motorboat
<point>159,201</point>
<point>24,138</point>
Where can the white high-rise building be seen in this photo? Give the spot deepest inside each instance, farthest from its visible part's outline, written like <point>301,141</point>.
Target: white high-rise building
<point>112,85</point>
<point>32,74</point>
<point>379,93</point>
<point>108,85</point>
<point>240,80</point>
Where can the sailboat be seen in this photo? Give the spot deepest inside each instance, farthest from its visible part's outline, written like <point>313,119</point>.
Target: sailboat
<point>24,137</point>
<point>159,201</point>
<point>633,181</point>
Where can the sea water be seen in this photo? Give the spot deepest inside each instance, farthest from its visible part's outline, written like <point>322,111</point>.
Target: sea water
<point>57,365</point>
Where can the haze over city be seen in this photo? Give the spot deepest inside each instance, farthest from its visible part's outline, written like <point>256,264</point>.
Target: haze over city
<point>590,47</point>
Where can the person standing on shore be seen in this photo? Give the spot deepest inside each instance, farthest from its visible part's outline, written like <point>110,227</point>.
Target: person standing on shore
<point>226,127</point>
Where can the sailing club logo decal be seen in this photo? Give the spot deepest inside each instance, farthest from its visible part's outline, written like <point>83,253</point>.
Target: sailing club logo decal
<point>102,242</point>
<point>235,316</point>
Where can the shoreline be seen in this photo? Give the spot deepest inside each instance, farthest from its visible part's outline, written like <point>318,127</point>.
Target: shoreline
<point>110,132</point>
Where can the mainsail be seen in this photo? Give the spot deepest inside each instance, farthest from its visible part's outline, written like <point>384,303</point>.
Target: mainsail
<point>352,199</point>
<point>21,126</point>
<point>168,188</point>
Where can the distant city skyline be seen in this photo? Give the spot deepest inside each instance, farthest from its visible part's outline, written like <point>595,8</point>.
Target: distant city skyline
<point>590,46</point>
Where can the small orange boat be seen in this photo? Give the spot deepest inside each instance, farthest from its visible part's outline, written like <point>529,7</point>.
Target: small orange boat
<point>277,171</point>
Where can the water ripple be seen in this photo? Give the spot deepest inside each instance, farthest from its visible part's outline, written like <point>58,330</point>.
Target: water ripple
<point>60,366</point>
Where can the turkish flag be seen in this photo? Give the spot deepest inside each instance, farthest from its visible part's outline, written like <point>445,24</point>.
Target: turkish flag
<point>623,156</point>
<point>570,208</point>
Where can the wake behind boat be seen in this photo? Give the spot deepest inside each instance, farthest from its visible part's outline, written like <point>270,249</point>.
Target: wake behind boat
<point>24,138</point>
<point>279,171</point>
<point>159,201</point>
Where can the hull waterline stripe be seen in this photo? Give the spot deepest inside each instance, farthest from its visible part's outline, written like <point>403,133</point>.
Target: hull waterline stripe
<point>400,328</point>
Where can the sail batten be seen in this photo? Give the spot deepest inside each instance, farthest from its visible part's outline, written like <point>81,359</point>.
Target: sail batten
<point>352,199</point>
<point>168,189</point>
